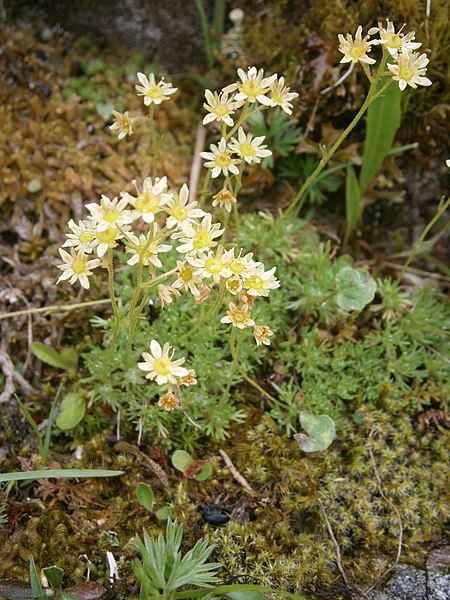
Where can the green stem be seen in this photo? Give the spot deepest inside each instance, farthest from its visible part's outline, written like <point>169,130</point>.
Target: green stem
<point>417,247</point>
<point>300,196</point>
<point>206,32</point>
<point>112,295</point>
<point>240,121</point>
<point>154,150</point>
<point>244,374</point>
<point>204,192</point>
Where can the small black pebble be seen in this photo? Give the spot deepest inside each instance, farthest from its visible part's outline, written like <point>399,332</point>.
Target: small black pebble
<point>215,515</point>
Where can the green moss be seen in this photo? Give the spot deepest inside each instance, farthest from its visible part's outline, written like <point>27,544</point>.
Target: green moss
<point>287,543</point>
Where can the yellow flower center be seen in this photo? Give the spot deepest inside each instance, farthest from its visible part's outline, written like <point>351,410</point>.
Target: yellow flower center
<point>86,237</point>
<point>213,266</point>
<point>222,159</point>
<point>236,266</point>
<point>161,366</point>
<point>179,213</point>
<point>234,285</point>
<point>110,215</point>
<point>155,92</point>
<point>124,122</point>
<point>186,274</point>
<point>79,266</point>
<point>393,40</point>
<point>405,72</point>
<point>255,282</point>
<point>239,315</point>
<point>202,239</point>
<point>277,97</point>
<point>147,202</point>
<point>246,149</point>
<point>221,110</point>
<point>251,89</point>
<point>108,235</point>
<point>147,252</point>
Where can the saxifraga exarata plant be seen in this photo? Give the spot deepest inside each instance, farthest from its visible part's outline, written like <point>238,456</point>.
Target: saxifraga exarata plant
<point>207,269</point>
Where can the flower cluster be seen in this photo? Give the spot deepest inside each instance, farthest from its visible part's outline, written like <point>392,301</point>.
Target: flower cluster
<point>231,108</point>
<point>407,67</point>
<point>154,220</point>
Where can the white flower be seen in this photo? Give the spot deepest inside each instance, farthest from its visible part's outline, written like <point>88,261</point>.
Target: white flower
<point>110,212</point>
<point>234,285</point>
<point>250,148</point>
<point>187,278</point>
<point>224,199</point>
<point>166,293</point>
<point>199,237</point>
<point>394,42</point>
<point>261,333</point>
<point>261,282</point>
<point>76,266</point>
<point>160,366</point>
<point>146,249</point>
<point>82,237</point>
<point>242,266</point>
<point>123,124</point>
<point>106,237</point>
<point>169,401</point>
<point>219,107</point>
<point>212,265</point>
<point>153,92</point>
<point>188,380</point>
<point>238,316</point>
<point>409,69</point>
<point>150,201</point>
<point>355,50</point>
<point>253,86</point>
<point>280,95</point>
<point>219,159</point>
<point>181,211</point>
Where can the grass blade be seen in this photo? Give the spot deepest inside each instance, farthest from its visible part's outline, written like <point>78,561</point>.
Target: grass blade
<point>57,474</point>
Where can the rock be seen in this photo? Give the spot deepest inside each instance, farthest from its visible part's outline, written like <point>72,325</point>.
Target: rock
<point>168,33</point>
<point>409,583</point>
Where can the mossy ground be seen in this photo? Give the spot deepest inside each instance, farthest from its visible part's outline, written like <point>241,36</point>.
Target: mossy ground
<point>388,462</point>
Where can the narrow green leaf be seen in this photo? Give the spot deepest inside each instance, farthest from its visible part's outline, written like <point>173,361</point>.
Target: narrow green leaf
<point>72,410</point>
<point>352,200</point>
<point>57,474</point>
<point>60,360</point>
<point>383,120</point>
<point>145,495</point>
<point>181,460</point>
<point>35,582</point>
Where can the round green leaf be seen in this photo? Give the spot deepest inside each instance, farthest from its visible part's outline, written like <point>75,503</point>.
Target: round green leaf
<point>72,410</point>
<point>181,460</point>
<point>163,513</point>
<point>321,432</point>
<point>205,472</point>
<point>145,495</point>
<point>34,185</point>
<point>356,288</point>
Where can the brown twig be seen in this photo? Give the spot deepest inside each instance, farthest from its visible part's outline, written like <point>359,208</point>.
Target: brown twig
<point>196,162</point>
<point>123,446</point>
<point>11,375</point>
<point>335,543</point>
<point>239,478</point>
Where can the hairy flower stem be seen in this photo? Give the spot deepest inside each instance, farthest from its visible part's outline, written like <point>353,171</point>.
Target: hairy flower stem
<point>236,190</point>
<point>237,365</point>
<point>300,196</point>
<point>112,295</point>
<point>205,188</point>
<point>154,141</point>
